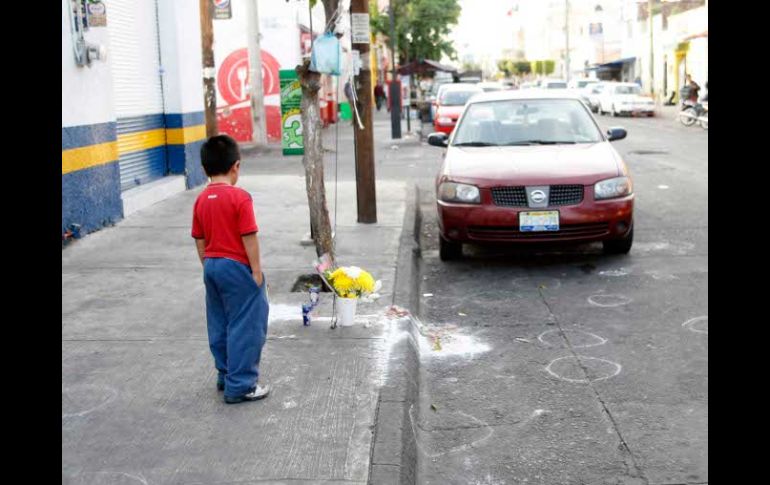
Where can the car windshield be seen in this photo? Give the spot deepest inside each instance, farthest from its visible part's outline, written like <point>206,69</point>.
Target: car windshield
<point>628,90</point>
<point>582,84</point>
<point>526,122</point>
<point>456,98</point>
<point>490,88</point>
<point>556,85</point>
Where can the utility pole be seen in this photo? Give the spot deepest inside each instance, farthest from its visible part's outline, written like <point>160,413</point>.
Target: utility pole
<point>209,79</point>
<point>652,61</point>
<point>256,91</point>
<point>395,88</point>
<point>366,195</point>
<point>566,31</point>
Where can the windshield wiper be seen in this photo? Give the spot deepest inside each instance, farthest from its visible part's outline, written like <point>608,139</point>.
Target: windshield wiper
<point>541,142</point>
<point>475,144</point>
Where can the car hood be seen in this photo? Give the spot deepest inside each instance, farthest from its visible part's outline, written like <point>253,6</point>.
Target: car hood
<point>585,164</point>
<point>451,111</point>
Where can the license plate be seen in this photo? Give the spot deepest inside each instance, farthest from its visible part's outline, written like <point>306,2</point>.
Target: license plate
<point>539,221</point>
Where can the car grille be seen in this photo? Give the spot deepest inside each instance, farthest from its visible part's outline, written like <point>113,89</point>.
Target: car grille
<point>568,231</point>
<point>517,196</point>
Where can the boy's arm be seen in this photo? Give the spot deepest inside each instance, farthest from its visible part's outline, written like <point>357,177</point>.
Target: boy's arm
<point>200,245</point>
<point>251,244</point>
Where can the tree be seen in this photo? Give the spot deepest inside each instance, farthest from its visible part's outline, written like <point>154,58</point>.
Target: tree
<point>312,158</point>
<point>422,27</point>
<point>522,67</point>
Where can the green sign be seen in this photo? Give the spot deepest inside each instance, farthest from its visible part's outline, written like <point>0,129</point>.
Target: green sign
<point>291,113</point>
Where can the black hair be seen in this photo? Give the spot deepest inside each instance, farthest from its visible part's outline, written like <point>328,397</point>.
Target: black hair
<point>218,154</point>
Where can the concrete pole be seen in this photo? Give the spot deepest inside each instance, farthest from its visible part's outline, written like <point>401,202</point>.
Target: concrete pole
<point>566,32</point>
<point>652,60</point>
<point>256,90</point>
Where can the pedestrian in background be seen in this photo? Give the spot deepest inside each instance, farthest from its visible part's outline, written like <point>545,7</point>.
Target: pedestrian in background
<point>379,95</point>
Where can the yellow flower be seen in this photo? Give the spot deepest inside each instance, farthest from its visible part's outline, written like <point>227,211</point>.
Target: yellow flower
<point>366,282</point>
<point>342,282</point>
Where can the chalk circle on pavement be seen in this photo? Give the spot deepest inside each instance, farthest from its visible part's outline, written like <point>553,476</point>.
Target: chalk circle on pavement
<point>79,400</point>
<point>608,301</point>
<point>587,369</point>
<point>698,324</point>
<point>578,339</point>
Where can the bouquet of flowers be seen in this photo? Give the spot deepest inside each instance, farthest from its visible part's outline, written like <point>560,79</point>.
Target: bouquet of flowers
<point>348,281</point>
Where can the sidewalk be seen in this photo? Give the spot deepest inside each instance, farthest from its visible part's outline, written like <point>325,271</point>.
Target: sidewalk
<point>139,402</point>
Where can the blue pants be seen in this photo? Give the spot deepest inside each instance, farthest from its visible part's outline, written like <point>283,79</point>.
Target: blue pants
<point>236,314</point>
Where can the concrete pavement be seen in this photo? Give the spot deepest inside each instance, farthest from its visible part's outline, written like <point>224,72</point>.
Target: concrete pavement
<point>139,403</point>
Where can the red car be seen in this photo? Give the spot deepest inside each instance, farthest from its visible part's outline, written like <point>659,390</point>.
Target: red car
<point>450,105</point>
<point>532,167</point>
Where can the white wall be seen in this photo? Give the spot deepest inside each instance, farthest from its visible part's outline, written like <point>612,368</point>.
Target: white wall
<point>181,56</point>
<point>86,91</point>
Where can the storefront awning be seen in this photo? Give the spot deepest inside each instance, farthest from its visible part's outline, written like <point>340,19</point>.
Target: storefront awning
<point>696,36</point>
<point>608,66</point>
<point>423,66</point>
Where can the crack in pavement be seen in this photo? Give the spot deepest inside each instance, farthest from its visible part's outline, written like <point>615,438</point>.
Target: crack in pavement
<point>453,428</point>
<point>636,472</point>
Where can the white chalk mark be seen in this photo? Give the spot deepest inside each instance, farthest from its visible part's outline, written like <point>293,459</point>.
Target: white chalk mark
<point>453,449</point>
<point>289,404</point>
<point>111,397</point>
<point>427,295</point>
<point>586,359</point>
<point>608,301</point>
<point>692,324</point>
<point>663,187</point>
<point>111,476</point>
<point>615,272</point>
<point>597,340</point>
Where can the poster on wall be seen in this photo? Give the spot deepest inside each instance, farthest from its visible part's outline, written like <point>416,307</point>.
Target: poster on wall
<point>291,113</point>
<point>223,10</point>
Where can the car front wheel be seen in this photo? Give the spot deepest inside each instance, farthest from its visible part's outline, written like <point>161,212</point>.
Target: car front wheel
<point>619,246</point>
<point>449,250</point>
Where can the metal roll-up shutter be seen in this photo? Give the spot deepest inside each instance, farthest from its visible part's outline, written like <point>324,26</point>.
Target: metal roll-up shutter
<point>138,92</point>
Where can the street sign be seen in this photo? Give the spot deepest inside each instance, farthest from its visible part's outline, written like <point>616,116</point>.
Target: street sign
<point>360,28</point>
<point>222,9</point>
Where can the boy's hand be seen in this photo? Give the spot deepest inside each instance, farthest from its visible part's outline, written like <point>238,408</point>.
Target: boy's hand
<point>258,278</point>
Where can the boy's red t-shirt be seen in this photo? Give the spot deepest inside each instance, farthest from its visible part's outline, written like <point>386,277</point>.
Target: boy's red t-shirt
<point>221,215</point>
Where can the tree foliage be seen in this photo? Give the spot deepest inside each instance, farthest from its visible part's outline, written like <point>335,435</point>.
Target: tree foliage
<point>422,27</point>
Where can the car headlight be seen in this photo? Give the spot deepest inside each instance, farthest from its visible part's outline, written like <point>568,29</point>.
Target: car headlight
<point>613,188</point>
<point>454,192</point>
<point>444,120</point>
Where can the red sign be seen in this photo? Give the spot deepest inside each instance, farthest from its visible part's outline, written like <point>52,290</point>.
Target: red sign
<point>233,83</point>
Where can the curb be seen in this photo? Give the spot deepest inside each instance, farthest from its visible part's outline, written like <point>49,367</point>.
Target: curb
<point>393,459</point>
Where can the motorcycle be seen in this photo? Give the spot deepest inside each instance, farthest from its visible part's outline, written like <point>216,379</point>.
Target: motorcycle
<point>693,112</point>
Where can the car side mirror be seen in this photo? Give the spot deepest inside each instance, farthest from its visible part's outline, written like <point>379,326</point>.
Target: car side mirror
<point>438,139</point>
<point>616,133</point>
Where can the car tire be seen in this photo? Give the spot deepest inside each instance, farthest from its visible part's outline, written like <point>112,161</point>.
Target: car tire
<point>619,246</point>
<point>449,250</point>
<point>614,113</point>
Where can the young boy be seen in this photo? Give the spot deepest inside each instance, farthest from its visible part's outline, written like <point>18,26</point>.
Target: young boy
<point>225,232</point>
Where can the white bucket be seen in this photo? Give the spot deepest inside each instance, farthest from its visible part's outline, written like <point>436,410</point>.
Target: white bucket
<point>347,311</point>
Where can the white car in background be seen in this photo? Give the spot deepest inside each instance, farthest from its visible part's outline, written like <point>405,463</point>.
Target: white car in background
<point>491,86</point>
<point>594,92</point>
<point>581,83</point>
<point>553,84</point>
<point>625,98</point>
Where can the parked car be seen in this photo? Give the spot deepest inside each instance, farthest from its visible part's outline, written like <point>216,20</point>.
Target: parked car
<point>592,97</point>
<point>531,166</point>
<point>581,83</point>
<point>625,98</point>
<point>491,86</point>
<point>529,85</point>
<point>434,97</point>
<point>553,84</point>
<point>451,101</point>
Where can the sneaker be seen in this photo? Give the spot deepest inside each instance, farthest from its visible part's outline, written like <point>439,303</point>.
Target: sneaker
<point>259,392</point>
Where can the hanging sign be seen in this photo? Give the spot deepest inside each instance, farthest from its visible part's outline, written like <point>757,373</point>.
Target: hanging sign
<point>292,141</point>
<point>360,28</point>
